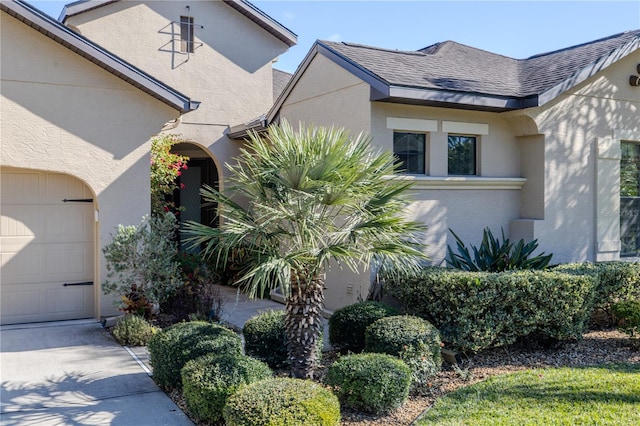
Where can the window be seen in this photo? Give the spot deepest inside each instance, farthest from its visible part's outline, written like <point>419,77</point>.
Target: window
<point>462,155</point>
<point>409,149</point>
<point>630,199</point>
<point>186,34</point>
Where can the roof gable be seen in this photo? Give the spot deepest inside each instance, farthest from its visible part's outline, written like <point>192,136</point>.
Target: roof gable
<point>96,54</point>
<point>245,8</point>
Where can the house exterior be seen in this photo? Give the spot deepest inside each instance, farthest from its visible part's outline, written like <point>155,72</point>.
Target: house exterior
<point>220,51</point>
<point>79,105</point>
<point>531,146</point>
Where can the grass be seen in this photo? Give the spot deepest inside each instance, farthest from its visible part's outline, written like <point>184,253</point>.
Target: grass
<point>600,395</point>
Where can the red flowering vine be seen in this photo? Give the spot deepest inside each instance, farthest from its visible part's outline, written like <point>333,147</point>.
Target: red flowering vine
<point>166,166</point>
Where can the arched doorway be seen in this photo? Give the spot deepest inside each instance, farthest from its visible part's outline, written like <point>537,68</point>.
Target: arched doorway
<point>201,171</point>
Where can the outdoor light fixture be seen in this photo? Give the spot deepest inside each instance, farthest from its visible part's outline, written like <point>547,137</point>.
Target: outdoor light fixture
<point>634,80</point>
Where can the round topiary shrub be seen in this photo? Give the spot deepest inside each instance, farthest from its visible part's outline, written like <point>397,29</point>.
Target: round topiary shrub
<point>265,338</point>
<point>397,334</point>
<point>170,349</point>
<point>347,325</point>
<point>283,402</point>
<point>375,383</point>
<point>208,381</point>
<point>133,330</point>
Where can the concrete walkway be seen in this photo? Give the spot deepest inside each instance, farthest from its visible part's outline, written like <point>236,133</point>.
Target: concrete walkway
<point>75,373</point>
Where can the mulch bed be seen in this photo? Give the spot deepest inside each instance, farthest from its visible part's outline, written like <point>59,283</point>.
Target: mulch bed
<point>597,347</point>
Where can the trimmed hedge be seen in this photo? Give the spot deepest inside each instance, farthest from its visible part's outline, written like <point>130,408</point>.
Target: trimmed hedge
<point>282,402</point>
<point>170,349</point>
<point>347,325</point>
<point>616,280</point>
<point>478,310</point>
<point>208,381</point>
<point>265,338</point>
<point>373,382</point>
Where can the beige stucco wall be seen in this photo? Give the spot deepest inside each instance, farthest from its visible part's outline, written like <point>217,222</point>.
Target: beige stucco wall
<point>582,130</point>
<point>60,112</point>
<point>230,72</point>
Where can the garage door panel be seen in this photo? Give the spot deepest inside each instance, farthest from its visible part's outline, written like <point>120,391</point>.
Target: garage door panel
<point>23,188</point>
<point>63,223</point>
<point>73,261</point>
<point>22,263</point>
<point>45,243</point>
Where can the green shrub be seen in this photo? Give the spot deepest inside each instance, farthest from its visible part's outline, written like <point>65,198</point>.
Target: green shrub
<point>134,330</point>
<point>170,349</point>
<point>265,338</point>
<point>347,325</point>
<point>282,402</point>
<point>395,335</point>
<point>616,280</point>
<point>375,383</point>
<point>496,256</point>
<point>478,310</point>
<point>627,313</point>
<point>208,381</point>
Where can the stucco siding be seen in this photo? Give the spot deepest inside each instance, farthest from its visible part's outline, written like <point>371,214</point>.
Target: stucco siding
<point>327,95</point>
<point>577,128</point>
<point>62,113</point>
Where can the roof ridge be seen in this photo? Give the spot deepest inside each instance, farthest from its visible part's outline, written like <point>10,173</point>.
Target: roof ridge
<point>381,49</point>
<point>539,55</point>
<point>436,47</point>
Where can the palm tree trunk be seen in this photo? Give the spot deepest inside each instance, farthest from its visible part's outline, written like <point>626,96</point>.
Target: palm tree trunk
<point>303,324</point>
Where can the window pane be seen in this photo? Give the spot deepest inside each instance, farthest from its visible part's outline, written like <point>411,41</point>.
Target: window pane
<point>462,155</point>
<point>630,199</point>
<point>409,150</point>
<point>186,34</point>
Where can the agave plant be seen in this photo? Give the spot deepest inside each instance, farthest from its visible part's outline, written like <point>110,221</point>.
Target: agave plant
<point>496,256</point>
<point>309,197</point>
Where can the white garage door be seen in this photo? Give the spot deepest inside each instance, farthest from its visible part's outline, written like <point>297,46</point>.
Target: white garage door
<point>46,247</point>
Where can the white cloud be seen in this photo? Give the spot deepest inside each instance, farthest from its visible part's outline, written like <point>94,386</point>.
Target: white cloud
<point>335,37</point>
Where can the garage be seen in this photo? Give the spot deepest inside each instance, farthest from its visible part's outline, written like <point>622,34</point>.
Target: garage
<point>47,249</point>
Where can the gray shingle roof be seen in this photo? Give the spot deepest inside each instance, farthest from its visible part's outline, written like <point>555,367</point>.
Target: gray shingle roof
<point>280,80</point>
<point>454,67</point>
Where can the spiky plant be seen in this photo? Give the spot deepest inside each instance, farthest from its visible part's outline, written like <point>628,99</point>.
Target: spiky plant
<point>297,200</point>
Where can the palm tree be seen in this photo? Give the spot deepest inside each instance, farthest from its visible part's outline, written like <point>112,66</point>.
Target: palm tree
<point>297,200</point>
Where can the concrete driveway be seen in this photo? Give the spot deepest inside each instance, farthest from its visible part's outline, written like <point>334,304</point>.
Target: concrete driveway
<point>74,373</point>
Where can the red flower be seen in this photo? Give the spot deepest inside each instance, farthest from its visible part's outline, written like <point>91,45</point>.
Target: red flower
<point>166,209</point>
<point>182,186</point>
<point>184,167</point>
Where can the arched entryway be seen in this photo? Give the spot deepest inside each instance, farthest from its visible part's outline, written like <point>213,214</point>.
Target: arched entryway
<point>201,171</point>
<point>47,247</point>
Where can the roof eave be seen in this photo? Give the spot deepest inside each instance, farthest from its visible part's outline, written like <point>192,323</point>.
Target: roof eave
<point>242,131</point>
<point>264,21</point>
<point>99,56</point>
<point>81,6</point>
<point>453,99</point>
<point>589,71</point>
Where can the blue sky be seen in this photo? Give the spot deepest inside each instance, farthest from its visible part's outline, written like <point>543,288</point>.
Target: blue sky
<point>518,29</point>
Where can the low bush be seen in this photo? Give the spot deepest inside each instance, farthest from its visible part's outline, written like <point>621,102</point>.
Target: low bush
<point>478,310</point>
<point>397,334</point>
<point>265,338</point>
<point>208,381</point>
<point>347,325</point>
<point>133,330</point>
<point>282,402</point>
<point>170,349</point>
<point>372,382</point>
<point>616,280</point>
<point>627,314</point>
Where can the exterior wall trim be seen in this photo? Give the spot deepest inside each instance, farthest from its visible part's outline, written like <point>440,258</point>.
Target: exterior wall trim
<point>458,182</point>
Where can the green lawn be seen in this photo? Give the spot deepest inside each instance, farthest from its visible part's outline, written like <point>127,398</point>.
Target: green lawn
<point>601,395</point>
